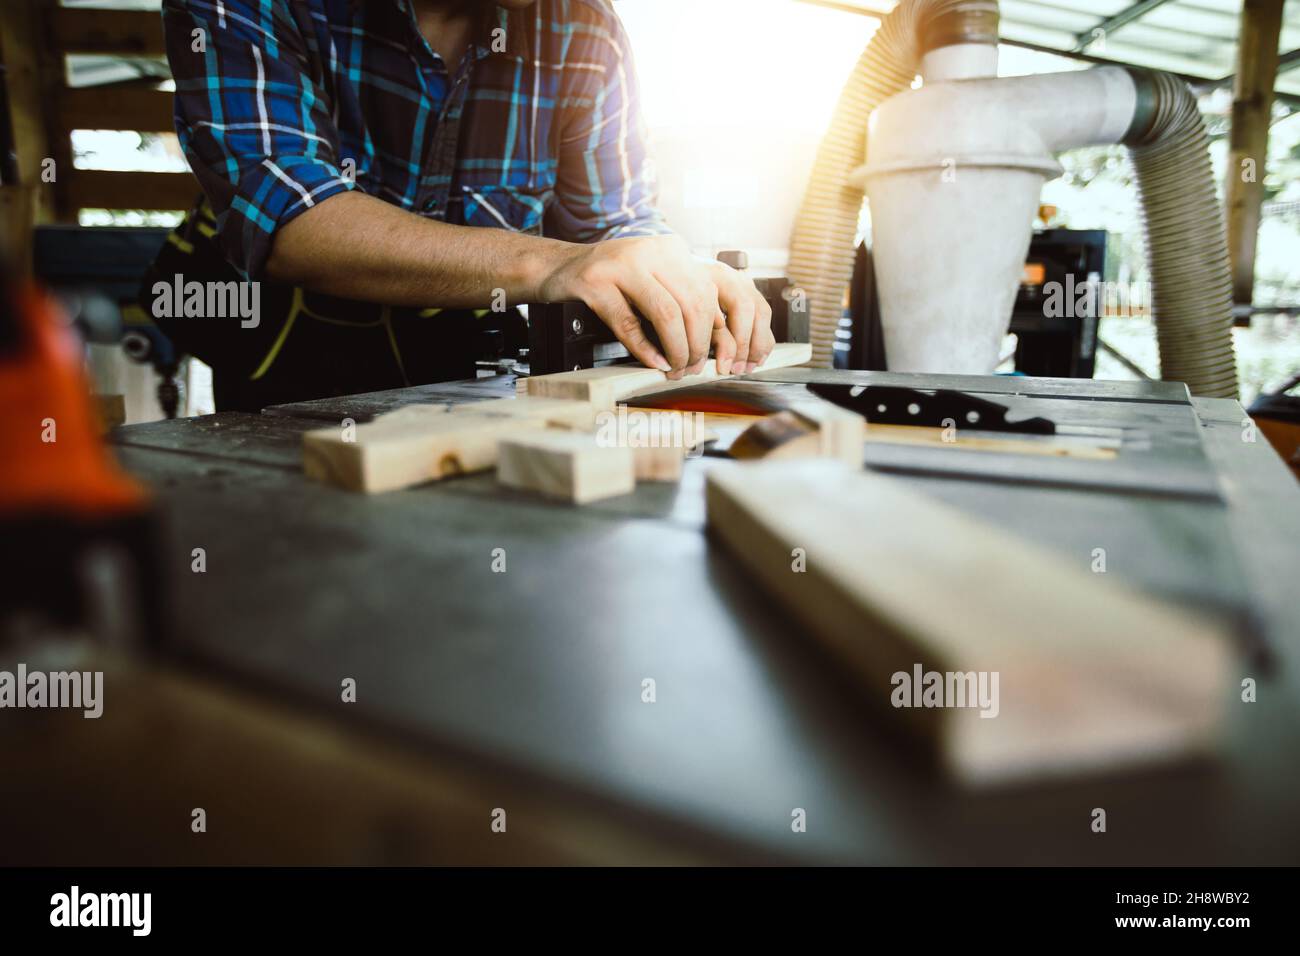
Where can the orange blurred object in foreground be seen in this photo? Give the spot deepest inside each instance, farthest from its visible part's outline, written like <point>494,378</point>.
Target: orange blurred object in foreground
<point>54,458</point>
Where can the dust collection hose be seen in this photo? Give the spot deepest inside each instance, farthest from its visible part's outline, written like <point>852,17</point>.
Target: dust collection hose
<point>1186,243</point>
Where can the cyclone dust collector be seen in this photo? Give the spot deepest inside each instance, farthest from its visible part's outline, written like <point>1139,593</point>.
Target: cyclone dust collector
<point>953,171</point>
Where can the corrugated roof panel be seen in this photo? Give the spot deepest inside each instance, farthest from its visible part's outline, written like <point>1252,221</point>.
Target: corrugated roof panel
<point>1028,33</point>
<point>1047,16</point>
<point>1167,40</point>
<point>1219,20</point>
<point>1206,67</point>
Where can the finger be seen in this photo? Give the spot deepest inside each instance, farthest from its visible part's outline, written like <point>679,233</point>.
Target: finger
<point>724,348</point>
<point>658,305</point>
<point>697,297</point>
<point>741,311</point>
<point>615,312</point>
<point>763,341</point>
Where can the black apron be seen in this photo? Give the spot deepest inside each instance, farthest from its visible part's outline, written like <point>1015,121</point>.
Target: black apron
<point>306,345</point>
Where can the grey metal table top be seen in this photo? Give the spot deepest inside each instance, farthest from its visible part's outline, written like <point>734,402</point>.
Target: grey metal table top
<point>540,668</point>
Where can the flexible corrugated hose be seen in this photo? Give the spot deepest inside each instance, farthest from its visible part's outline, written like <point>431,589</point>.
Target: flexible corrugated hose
<point>1186,243</point>
<point>821,250</point>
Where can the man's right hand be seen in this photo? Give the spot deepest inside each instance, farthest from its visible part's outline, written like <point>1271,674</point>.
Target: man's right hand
<point>692,305</point>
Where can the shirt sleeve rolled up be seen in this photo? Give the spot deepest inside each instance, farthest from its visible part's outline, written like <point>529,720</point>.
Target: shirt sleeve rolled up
<point>254,125</point>
<point>606,186</point>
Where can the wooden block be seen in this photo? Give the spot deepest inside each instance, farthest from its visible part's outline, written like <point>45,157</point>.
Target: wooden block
<point>397,453</point>
<point>658,464</point>
<point>841,433</point>
<point>816,432</point>
<point>659,440</point>
<point>1090,674</point>
<point>607,385</point>
<point>779,435</point>
<point>565,464</point>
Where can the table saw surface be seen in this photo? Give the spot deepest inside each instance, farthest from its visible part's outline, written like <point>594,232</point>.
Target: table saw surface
<point>539,670</point>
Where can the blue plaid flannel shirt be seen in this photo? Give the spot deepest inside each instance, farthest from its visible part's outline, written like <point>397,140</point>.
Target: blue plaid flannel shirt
<point>283,103</point>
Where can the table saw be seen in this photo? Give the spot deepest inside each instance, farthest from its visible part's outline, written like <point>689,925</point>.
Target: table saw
<point>533,678</point>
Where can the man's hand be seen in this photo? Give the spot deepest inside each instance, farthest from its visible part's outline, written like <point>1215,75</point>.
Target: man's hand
<point>691,305</point>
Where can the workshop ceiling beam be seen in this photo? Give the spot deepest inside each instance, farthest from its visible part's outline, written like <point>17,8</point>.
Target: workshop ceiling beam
<point>113,189</point>
<point>1252,107</point>
<point>26,195</point>
<point>93,30</point>
<point>119,106</point>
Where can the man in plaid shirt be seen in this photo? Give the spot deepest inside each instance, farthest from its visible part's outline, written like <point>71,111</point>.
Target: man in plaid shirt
<point>384,166</point>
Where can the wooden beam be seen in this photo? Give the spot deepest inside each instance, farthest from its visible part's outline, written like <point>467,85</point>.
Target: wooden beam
<point>106,189</point>
<point>1252,106</point>
<point>88,30</point>
<point>1090,674</point>
<point>128,107</point>
<point>17,218</point>
<point>30,199</point>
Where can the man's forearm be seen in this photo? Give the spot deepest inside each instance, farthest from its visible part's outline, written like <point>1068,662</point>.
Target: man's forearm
<point>359,247</point>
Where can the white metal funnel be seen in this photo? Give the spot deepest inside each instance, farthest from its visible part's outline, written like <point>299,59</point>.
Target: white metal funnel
<point>954,173</point>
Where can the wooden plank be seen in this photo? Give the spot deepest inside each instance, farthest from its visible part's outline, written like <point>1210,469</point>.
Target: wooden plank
<point>388,455</point>
<point>568,465</point>
<point>1056,446</point>
<point>104,189</point>
<point>607,385</point>
<point>91,30</point>
<point>600,387</point>
<point>1090,675</point>
<point>127,107</point>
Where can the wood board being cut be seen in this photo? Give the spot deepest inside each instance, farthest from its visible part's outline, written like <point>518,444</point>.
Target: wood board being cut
<point>1090,674</point>
<point>607,385</point>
